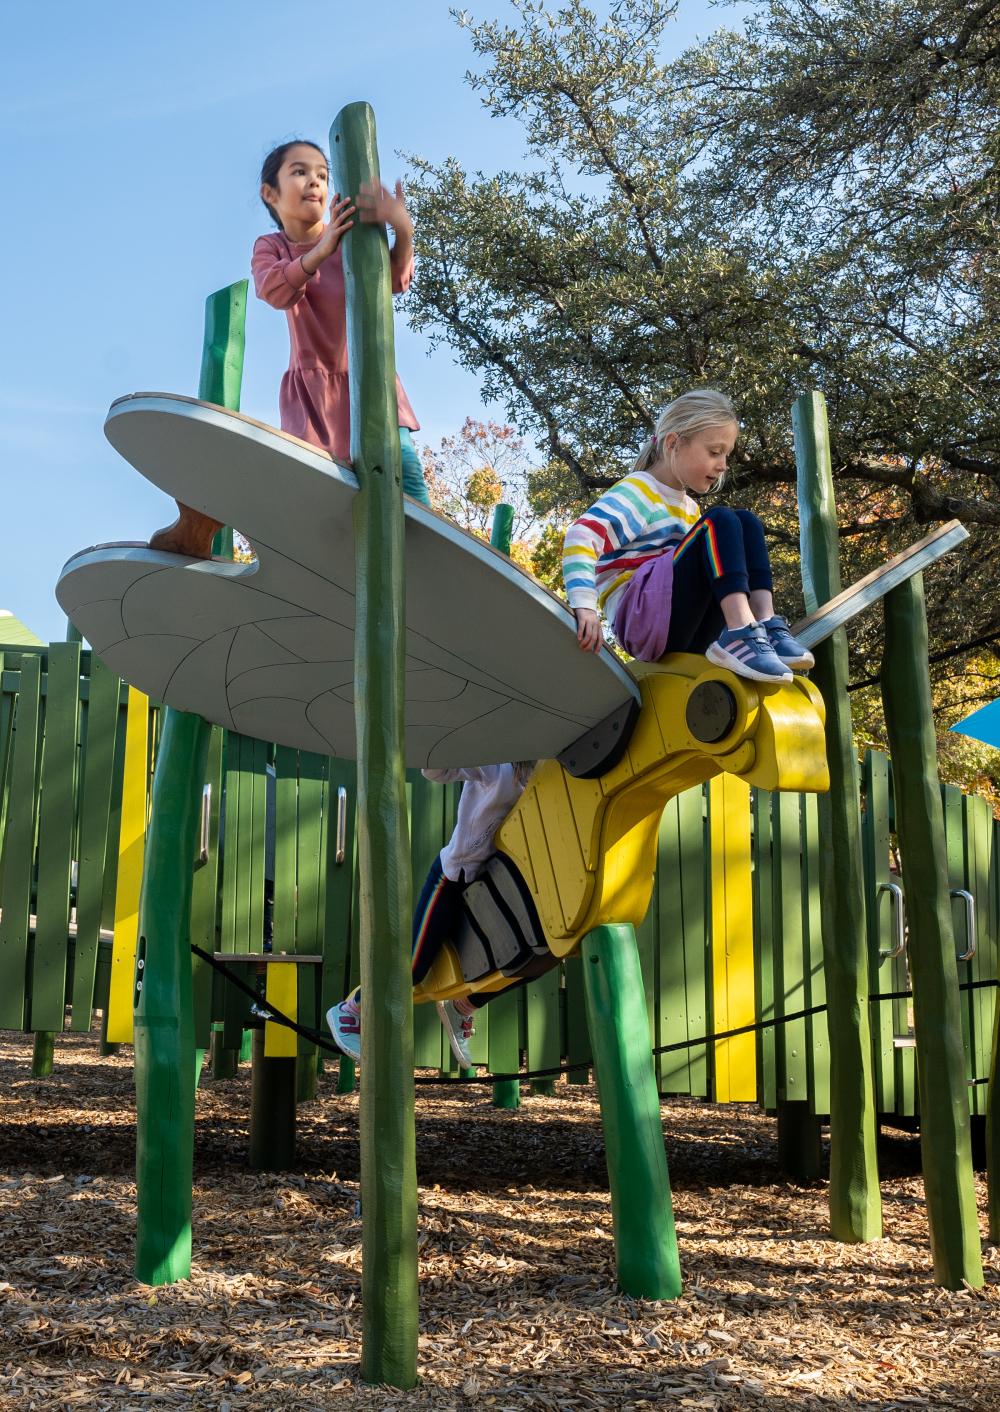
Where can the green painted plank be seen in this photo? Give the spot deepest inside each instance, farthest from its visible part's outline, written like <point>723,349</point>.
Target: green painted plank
<point>763,911</point>
<point>95,807</point>
<point>339,889</point>
<point>312,788</point>
<point>15,903</point>
<point>205,891</point>
<point>115,818</point>
<point>790,980</point>
<point>286,793</point>
<point>695,883</point>
<point>978,838</point>
<point>56,814</point>
<point>673,1070</point>
<point>577,1034</point>
<point>880,913</point>
<point>543,1029</point>
<point>431,823</point>
<point>817,1030</point>
<point>954,837</point>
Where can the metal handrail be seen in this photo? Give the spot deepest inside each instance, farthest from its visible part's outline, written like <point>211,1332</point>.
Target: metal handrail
<point>970,921</point>
<point>896,898</point>
<point>206,813</point>
<point>341,823</point>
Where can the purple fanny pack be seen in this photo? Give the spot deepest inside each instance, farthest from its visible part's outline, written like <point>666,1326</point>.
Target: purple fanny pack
<point>642,617</point>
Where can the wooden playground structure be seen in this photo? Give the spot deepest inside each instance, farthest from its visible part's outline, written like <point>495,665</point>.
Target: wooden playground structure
<point>711,863</point>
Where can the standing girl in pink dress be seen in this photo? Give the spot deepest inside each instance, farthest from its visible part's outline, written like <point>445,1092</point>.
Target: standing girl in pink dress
<point>299,270</point>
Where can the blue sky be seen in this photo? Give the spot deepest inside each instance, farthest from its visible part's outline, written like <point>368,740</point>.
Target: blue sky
<point>131,138</point>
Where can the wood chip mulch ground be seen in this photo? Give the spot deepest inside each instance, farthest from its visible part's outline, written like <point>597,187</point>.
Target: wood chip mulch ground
<point>518,1303</point>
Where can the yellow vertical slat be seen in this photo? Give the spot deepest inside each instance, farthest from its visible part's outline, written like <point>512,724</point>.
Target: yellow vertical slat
<point>282,992</point>
<point>732,938</point>
<point>131,849</point>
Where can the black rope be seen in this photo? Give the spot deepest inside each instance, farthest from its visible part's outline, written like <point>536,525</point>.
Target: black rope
<point>269,1012</point>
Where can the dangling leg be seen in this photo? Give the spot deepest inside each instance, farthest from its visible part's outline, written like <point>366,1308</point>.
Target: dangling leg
<point>788,649</point>
<point>191,534</point>
<point>711,609</point>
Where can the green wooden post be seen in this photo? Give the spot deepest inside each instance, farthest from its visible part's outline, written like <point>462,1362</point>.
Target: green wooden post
<point>346,1074</point>
<point>272,1110</point>
<point>42,1054</point>
<point>388,1148</point>
<point>164,1006</point>
<point>945,1146</point>
<point>164,1011</point>
<point>993,1134</point>
<point>855,1200</point>
<point>224,1060</point>
<point>645,1241</point>
<point>504,1048</point>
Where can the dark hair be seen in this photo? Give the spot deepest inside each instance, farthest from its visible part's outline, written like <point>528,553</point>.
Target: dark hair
<point>271,166</point>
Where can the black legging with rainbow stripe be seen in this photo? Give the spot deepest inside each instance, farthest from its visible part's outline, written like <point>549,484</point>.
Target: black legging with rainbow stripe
<point>723,553</point>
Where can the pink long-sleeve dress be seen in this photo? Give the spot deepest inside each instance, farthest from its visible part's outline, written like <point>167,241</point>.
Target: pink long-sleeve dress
<point>314,401</point>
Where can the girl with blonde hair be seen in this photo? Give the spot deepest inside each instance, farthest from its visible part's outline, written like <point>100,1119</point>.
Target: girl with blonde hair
<point>669,577</point>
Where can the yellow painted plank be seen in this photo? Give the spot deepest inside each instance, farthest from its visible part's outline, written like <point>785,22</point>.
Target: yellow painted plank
<point>732,938</point>
<point>131,849</point>
<point>282,991</point>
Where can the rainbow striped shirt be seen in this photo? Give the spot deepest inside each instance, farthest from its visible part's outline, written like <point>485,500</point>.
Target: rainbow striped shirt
<point>633,522</point>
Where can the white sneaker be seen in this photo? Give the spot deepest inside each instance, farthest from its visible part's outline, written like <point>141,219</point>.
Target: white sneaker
<point>345,1026</point>
<point>459,1029</point>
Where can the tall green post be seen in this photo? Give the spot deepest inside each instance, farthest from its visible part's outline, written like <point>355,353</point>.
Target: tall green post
<point>642,1211</point>
<point>388,1148</point>
<point>993,1134</point>
<point>504,1011</point>
<point>164,1013</point>
<point>945,1142</point>
<point>855,1200</point>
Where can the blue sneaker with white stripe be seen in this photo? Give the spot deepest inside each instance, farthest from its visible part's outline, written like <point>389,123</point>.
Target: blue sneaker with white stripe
<point>748,652</point>
<point>787,647</point>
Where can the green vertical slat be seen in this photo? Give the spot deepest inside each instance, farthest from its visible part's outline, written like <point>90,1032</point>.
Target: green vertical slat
<point>673,1071</point>
<point>954,834</point>
<point>205,894</point>
<point>430,827</point>
<point>258,846</point>
<point>763,911</point>
<point>286,788</point>
<point>978,828</point>
<point>577,1035</point>
<point>338,891</point>
<point>115,815</point>
<point>19,848</point>
<point>95,809</point>
<point>230,837</point>
<point>312,772</point>
<point>646,940</point>
<point>7,701</point>
<point>789,975</point>
<point>817,1032</point>
<point>694,856</point>
<point>881,923</point>
<point>542,1000</point>
<point>312,866</point>
<point>57,809</point>
<point>233,863</point>
<point>244,859</point>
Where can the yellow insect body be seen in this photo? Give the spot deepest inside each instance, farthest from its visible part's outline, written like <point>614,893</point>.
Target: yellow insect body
<point>587,848</point>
